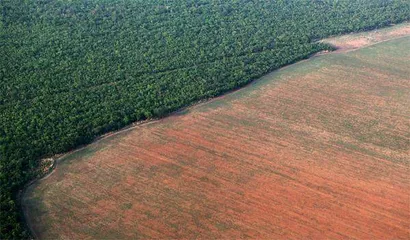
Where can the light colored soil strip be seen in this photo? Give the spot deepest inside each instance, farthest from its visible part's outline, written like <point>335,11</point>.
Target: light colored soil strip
<point>354,41</point>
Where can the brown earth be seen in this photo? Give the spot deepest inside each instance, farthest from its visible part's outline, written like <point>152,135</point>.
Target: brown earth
<point>359,40</point>
<point>318,150</point>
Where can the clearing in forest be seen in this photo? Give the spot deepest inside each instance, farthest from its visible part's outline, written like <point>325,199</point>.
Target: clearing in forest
<point>354,41</point>
<point>315,150</point>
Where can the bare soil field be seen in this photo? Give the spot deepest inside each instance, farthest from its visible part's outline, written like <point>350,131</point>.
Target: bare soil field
<point>317,150</point>
<point>354,41</point>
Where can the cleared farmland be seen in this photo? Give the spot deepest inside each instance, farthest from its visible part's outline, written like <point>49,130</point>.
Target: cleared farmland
<point>354,41</point>
<point>315,150</point>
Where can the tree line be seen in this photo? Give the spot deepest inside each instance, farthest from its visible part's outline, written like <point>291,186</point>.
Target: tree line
<point>73,70</point>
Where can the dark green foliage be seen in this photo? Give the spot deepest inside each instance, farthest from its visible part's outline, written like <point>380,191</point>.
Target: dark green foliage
<point>73,70</point>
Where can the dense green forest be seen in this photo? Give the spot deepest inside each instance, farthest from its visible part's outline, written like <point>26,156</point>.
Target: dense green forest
<point>71,70</point>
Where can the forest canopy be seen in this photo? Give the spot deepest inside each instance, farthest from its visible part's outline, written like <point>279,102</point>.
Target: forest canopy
<point>72,70</point>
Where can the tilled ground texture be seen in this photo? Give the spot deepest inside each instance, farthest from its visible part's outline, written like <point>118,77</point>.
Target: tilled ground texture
<point>317,150</point>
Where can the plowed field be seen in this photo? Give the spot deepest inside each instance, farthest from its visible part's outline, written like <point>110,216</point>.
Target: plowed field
<point>317,150</point>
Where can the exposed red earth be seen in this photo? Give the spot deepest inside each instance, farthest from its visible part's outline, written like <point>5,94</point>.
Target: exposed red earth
<point>317,150</point>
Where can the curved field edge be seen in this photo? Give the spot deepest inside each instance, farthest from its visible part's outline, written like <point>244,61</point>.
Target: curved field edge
<point>378,149</point>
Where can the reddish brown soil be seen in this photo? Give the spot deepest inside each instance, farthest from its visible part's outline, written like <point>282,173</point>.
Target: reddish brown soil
<point>318,150</point>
